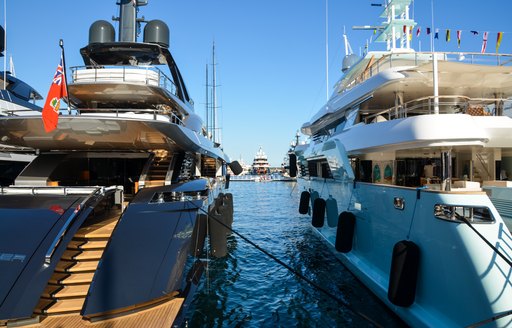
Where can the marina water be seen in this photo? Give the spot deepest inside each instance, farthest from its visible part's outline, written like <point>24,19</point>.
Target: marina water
<point>249,289</point>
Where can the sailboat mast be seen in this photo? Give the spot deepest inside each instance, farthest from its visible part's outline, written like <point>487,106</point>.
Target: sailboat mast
<point>207,109</point>
<point>214,98</point>
<point>5,44</point>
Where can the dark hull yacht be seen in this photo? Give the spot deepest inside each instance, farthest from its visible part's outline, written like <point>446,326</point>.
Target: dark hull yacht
<point>105,225</point>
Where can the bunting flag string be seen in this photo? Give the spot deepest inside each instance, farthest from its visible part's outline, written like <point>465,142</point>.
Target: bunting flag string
<point>498,41</point>
<point>484,42</point>
<point>409,31</point>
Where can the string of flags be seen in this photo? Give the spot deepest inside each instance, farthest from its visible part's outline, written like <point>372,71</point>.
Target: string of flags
<point>485,35</point>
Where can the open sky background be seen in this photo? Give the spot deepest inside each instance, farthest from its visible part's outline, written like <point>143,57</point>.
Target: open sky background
<point>271,54</point>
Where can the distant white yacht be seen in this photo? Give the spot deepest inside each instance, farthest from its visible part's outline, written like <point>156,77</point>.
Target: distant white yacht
<point>260,163</point>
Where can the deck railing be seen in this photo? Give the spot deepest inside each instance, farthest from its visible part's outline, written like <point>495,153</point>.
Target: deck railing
<point>375,66</point>
<point>150,113</point>
<point>145,75</point>
<point>453,104</point>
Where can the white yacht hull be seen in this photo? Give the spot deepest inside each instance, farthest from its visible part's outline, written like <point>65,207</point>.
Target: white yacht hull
<point>461,280</point>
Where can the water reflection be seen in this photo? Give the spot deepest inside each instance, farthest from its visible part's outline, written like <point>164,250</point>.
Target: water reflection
<point>248,289</point>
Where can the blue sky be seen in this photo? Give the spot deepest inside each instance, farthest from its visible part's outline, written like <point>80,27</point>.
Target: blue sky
<point>270,53</point>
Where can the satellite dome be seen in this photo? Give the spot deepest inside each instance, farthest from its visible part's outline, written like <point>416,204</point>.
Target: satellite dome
<point>101,32</point>
<point>157,32</point>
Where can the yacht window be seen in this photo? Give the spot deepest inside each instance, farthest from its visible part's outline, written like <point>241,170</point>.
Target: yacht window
<point>457,213</point>
<point>319,168</point>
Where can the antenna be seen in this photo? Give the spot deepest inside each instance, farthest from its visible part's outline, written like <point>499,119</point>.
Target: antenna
<point>348,48</point>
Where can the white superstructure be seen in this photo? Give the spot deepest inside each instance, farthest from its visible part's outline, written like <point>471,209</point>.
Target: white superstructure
<point>393,177</point>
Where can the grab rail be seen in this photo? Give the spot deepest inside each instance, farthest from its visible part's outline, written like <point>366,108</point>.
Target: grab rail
<point>62,232</point>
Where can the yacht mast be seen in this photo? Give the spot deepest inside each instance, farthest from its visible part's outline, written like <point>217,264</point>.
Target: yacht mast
<point>215,123</point>
<point>5,44</point>
<point>207,105</point>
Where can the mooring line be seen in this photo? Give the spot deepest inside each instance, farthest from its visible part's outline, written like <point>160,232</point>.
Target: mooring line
<point>295,272</point>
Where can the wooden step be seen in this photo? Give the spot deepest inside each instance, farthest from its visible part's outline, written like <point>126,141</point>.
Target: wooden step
<point>50,290</point>
<point>87,244</point>
<point>72,267</point>
<point>70,254</point>
<point>89,255</point>
<point>64,306</point>
<point>72,279</point>
<point>61,292</point>
<point>102,230</point>
<point>43,304</point>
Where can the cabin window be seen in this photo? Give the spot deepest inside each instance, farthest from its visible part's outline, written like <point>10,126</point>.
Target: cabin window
<point>83,171</point>
<point>363,170</point>
<point>319,168</point>
<point>312,169</point>
<point>457,213</point>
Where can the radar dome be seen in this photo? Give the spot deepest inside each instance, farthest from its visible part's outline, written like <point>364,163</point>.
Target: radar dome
<point>157,32</point>
<point>348,62</point>
<point>101,32</point>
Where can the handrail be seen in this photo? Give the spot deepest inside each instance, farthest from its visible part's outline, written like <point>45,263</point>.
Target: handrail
<point>62,232</point>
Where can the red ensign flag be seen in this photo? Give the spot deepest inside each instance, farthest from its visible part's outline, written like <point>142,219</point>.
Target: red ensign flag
<point>57,91</point>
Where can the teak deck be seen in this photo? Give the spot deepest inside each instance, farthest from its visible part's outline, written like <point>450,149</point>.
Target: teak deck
<point>159,316</point>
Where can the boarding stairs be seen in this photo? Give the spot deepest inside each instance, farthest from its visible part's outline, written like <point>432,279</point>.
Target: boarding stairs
<point>68,286</point>
<point>481,167</point>
<point>158,171</point>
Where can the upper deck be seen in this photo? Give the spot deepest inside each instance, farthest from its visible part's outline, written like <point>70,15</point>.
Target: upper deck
<point>401,84</point>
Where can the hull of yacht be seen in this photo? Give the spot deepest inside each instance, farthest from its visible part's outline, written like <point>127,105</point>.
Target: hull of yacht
<point>460,280</point>
<point>86,253</point>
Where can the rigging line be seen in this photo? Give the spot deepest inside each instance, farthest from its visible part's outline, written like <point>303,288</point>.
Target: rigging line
<point>497,251</point>
<point>294,185</point>
<point>418,190</point>
<point>295,272</point>
<point>492,319</point>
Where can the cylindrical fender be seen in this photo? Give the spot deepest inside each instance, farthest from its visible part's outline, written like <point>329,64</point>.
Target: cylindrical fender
<point>331,208</point>
<point>345,232</point>
<point>293,165</point>
<point>317,219</point>
<point>403,275</point>
<point>304,202</point>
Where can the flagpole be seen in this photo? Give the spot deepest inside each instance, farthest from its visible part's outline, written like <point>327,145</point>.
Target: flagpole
<point>61,45</point>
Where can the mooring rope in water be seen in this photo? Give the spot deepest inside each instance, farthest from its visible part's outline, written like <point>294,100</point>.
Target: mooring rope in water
<point>295,272</point>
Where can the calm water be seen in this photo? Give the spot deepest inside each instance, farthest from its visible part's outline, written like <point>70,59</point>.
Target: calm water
<point>249,289</point>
